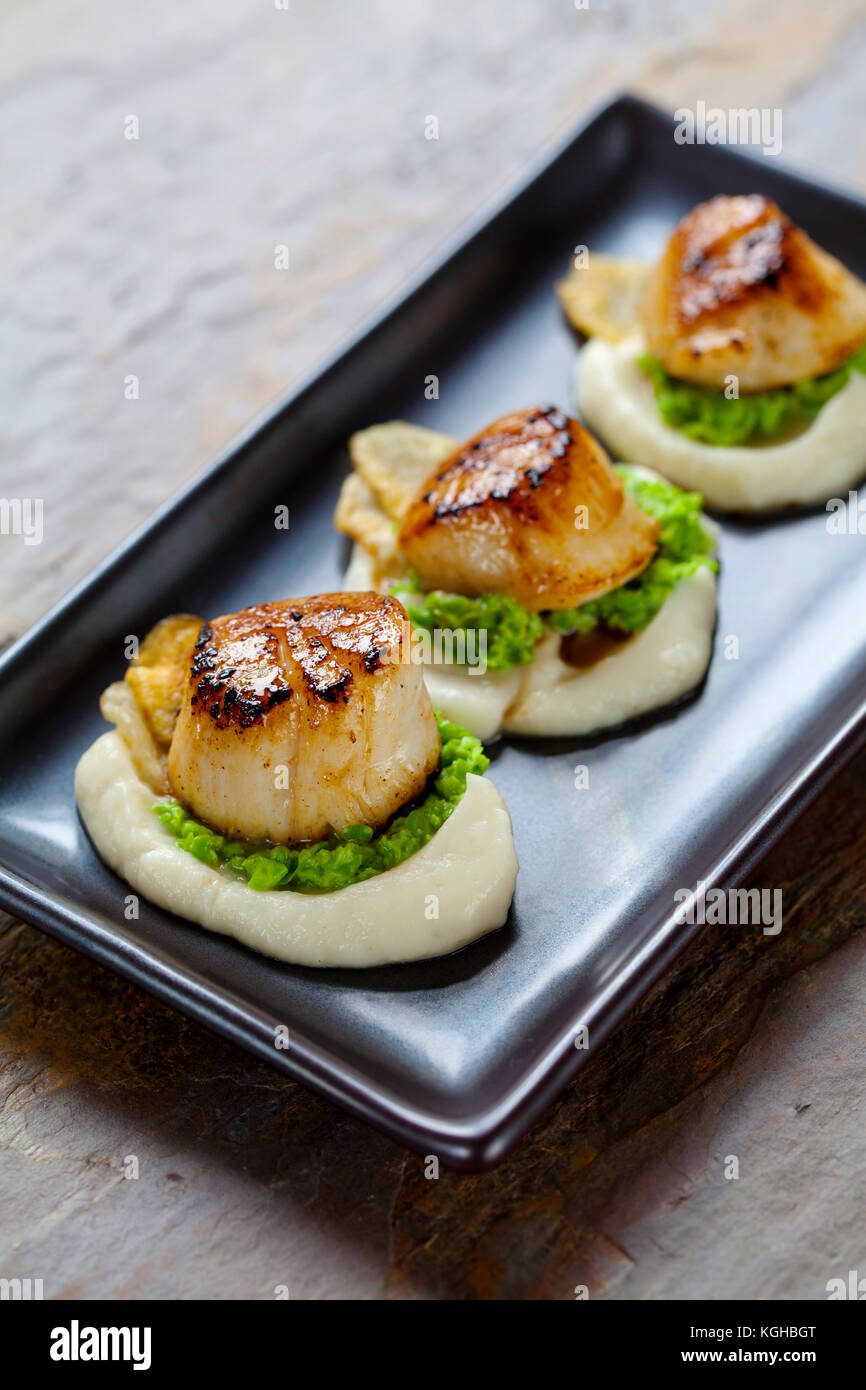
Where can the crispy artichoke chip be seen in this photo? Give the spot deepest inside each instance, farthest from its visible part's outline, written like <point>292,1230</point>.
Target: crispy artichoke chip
<point>158,692</point>
<point>359,515</point>
<point>169,641</point>
<point>603,298</point>
<point>395,459</point>
<point>120,707</point>
<point>157,677</point>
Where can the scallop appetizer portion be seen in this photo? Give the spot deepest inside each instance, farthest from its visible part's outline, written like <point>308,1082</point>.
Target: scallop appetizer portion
<point>532,508</point>
<point>740,290</point>
<point>317,804</point>
<point>742,372</point>
<point>301,716</point>
<point>549,592</point>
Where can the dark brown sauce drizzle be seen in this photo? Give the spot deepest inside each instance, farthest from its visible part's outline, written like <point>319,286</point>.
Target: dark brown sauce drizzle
<point>588,649</point>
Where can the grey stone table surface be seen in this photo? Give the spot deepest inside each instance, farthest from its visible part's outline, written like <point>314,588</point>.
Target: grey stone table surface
<point>260,124</point>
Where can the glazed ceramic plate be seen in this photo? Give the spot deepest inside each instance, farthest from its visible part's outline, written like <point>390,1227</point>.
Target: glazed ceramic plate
<point>458,1056</point>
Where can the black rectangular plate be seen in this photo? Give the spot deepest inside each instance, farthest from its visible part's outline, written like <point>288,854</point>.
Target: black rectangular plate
<point>458,1056</point>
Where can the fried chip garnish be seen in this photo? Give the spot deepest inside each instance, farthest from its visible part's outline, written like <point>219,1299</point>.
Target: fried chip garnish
<point>603,298</point>
<point>394,460</point>
<point>170,640</point>
<point>158,692</point>
<point>158,676</point>
<point>120,707</point>
<point>359,515</point>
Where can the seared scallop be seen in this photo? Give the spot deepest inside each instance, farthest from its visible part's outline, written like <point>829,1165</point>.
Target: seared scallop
<point>301,717</point>
<point>530,507</point>
<point>741,291</point>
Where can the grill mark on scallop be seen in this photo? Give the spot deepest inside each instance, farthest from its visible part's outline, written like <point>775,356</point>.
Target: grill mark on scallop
<point>315,638</point>
<point>741,289</point>
<point>529,507</point>
<point>502,466</point>
<point>724,264</point>
<point>316,689</point>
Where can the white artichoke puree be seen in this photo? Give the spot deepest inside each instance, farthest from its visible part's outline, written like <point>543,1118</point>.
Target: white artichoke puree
<point>548,697</point>
<point>455,888</point>
<point>617,402</point>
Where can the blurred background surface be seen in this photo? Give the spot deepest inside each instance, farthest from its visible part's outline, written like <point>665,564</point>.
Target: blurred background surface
<point>302,127</point>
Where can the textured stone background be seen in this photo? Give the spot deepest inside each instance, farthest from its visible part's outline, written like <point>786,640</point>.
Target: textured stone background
<point>155,257</point>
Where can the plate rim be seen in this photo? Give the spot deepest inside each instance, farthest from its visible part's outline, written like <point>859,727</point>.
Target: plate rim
<point>480,1138</point>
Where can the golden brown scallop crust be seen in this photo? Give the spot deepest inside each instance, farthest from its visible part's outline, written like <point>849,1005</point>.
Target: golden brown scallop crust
<point>741,290</point>
<point>157,676</point>
<point>302,716</point>
<point>314,649</point>
<point>530,507</point>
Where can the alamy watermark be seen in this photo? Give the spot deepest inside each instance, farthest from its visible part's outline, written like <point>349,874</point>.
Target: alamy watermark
<point>757,907</point>
<point>77,1343</point>
<point>419,646</point>
<point>853,1288</point>
<point>21,1290</point>
<point>22,516</point>
<point>846,517</point>
<point>739,125</point>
